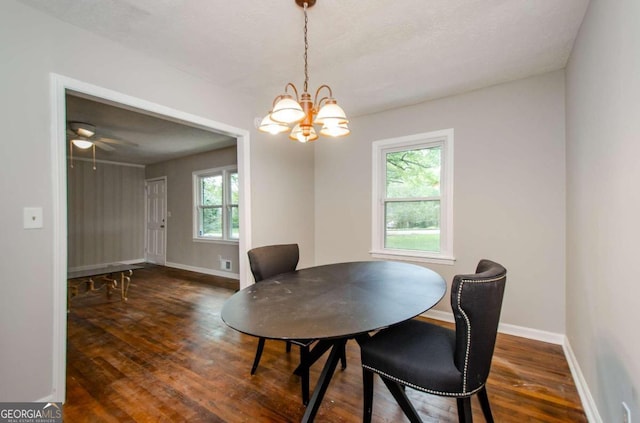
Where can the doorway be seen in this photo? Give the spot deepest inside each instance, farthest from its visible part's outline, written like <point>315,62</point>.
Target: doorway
<point>155,248</point>
<point>60,86</point>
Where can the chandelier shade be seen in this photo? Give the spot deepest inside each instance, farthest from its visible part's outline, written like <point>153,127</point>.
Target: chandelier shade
<point>287,110</point>
<point>272,127</point>
<point>303,112</point>
<point>339,130</point>
<point>331,113</point>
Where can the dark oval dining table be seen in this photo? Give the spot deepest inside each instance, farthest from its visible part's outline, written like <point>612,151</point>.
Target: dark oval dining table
<point>333,303</point>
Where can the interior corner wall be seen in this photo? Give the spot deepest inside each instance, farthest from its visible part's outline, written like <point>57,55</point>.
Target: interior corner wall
<point>509,189</point>
<point>603,205</point>
<point>182,249</point>
<point>283,194</point>
<point>105,214</point>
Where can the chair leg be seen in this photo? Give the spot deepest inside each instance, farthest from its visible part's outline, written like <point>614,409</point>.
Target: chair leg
<point>258,355</point>
<point>304,374</point>
<point>484,403</point>
<point>343,358</point>
<point>367,385</point>
<point>401,398</point>
<point>464,410</point>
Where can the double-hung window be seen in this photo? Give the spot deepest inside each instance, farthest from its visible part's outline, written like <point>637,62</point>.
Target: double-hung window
<point>215,214</point>
<point>412,210</point>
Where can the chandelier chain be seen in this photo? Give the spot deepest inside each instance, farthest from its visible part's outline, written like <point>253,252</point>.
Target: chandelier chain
<point>306,47</point>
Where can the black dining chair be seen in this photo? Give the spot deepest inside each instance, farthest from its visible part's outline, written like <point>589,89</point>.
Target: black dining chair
<point>270,261</point>
<point>440,361</point>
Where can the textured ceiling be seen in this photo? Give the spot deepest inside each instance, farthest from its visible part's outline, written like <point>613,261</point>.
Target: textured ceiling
<point>375,54</point>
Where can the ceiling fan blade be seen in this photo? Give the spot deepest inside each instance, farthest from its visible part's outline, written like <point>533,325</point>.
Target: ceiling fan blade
<point>103,146</point>
<point>116,141</point>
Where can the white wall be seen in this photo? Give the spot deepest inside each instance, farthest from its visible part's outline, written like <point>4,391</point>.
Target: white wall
<point>509,189</point>
<point>603,204</point>
<point>285,192</point>
<point>32,46</point>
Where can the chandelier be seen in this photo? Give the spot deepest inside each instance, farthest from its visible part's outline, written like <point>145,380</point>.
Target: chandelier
<point>300,111</point>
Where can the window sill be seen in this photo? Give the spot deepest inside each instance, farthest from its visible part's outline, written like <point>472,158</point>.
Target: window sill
<point>410,256</point>
<point>216,241</point>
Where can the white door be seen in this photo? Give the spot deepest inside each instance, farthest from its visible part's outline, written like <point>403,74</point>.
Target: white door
<point>155,244</point>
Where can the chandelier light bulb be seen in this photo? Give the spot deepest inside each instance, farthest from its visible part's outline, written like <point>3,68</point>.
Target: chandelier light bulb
<point>298,134</point>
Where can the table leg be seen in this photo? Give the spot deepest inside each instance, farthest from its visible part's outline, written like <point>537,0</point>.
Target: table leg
<point>316,352</point>
<point>125,281</point>
<point>324,380</point>
<point>111,284</point>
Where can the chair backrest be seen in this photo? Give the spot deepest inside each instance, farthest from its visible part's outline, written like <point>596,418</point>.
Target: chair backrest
<point>273,260</point>
<point>476,301</point>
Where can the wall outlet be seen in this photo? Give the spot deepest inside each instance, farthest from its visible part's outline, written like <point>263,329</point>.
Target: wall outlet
<point>225,264</point>
<point>626,413</point>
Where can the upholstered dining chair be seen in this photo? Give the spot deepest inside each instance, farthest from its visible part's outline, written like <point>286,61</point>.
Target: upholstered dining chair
<point>270,261</point>
<point>440,361</point>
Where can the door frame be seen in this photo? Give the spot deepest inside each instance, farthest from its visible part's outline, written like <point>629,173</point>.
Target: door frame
<point>146,216</point>
<point>58,86</point>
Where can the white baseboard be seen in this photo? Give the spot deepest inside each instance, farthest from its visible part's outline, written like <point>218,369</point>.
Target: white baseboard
<point>48,398</point>
<point>204,270</point>
<point>529,333</point>
<point>168,264</point>
<point>588,404</point>
<point>98,266</point>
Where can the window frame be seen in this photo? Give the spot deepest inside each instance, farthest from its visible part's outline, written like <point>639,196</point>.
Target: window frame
<point>227,205</point>
<point>442,138</point>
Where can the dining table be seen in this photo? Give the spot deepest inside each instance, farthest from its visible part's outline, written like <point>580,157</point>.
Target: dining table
<point>333,303</point>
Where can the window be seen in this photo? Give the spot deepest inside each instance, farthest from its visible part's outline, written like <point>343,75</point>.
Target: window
<point>216,215</point>
<point>412,210</point>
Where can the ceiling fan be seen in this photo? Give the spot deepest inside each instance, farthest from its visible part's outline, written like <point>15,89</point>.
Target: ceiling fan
<point>83,136</point>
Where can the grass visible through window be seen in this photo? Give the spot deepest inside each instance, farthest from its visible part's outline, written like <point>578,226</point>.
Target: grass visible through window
<point>413,240</point>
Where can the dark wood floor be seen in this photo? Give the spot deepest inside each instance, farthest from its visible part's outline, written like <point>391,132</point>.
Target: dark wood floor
<point>166,356</point>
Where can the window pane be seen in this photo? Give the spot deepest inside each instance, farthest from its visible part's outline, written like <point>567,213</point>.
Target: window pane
<point>412,225</point>
<point>235,222</point>
<point>211,190</point>
<point>413,173</point>
<point>211,222</point>
<point>233,179</point>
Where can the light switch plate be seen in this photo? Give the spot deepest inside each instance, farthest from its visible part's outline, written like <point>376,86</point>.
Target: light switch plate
<point>32,217</point>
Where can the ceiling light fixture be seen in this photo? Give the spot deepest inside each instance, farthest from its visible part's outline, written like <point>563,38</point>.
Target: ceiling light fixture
<point>83,129</point>
<point>82,143</point>
<point>81,133</point>
<point>301,111</point>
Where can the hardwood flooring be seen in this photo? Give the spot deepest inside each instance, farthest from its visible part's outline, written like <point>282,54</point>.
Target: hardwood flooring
<point>166,356</point>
